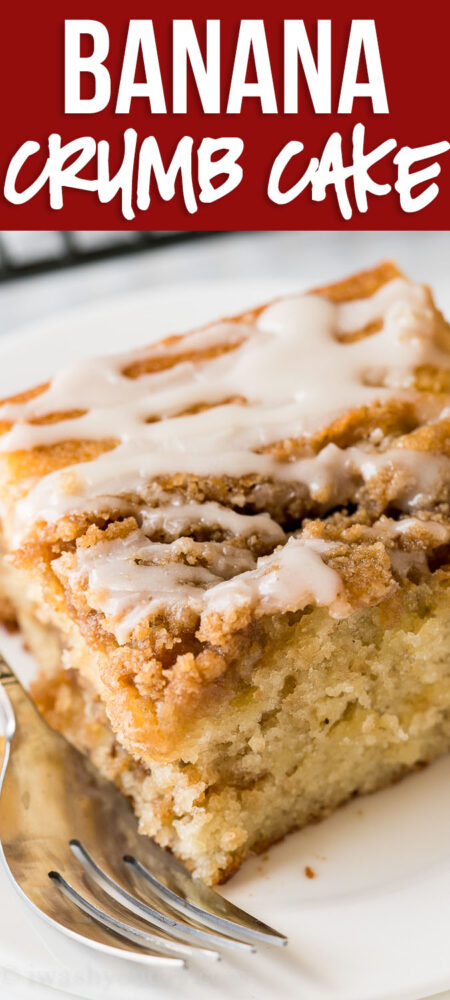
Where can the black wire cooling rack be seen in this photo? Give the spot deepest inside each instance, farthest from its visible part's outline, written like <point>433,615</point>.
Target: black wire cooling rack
<point>26,253</point>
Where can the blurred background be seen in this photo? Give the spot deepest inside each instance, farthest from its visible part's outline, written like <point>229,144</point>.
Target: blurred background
<point>46,272</point>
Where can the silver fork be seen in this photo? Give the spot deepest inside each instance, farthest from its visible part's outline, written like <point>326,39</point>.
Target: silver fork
<point>69,839</point>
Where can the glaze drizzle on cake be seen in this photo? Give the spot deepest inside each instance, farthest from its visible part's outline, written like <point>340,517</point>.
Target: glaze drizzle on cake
<point>290,372</point>
<point>218,403</point>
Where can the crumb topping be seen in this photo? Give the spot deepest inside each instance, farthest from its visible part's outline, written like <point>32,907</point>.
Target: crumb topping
<point>170,487</point>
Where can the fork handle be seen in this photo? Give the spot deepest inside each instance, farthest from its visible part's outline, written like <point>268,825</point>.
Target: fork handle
<point>16,705</point>
<point>9,690</point>
<point>6,674</point>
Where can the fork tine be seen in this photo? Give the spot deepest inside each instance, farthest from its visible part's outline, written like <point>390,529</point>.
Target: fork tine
<point>92,903</point>
<point>162,952</point>
<point>194,900</point>
<point>180,931</point>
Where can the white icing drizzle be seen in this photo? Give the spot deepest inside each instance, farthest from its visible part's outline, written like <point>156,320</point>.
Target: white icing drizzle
<point>433,531</point>
<point>288,580</point>
<point>179,518</point>
<point>291,368</point>
<point>287,375</point>
<point>330,478</point>
<point>131,578</point>
<point>120,582</point>
<point>401,539</point>
<point>423,473</point>
<point>127,591</point>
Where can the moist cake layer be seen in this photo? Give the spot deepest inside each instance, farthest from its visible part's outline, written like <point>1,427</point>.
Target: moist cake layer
<point>237,656</point>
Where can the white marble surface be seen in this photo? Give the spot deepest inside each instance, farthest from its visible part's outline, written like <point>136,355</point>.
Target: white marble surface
<point>319,256</point>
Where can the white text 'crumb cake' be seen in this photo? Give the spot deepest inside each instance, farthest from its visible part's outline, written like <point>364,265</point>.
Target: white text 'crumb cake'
<point>230,554</point>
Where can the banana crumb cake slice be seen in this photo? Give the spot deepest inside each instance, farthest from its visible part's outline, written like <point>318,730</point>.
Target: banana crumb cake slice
<point>230,554</point>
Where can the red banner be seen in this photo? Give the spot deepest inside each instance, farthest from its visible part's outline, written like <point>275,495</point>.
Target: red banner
<point>180,117</point>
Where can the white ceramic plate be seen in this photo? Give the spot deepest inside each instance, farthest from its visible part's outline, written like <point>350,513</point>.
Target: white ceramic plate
<point>374,923</point>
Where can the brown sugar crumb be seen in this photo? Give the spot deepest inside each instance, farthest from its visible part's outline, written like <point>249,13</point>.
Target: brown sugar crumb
<point>309,872</point>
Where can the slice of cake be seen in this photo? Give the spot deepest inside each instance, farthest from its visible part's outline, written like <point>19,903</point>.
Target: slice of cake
<point>230,554</point>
